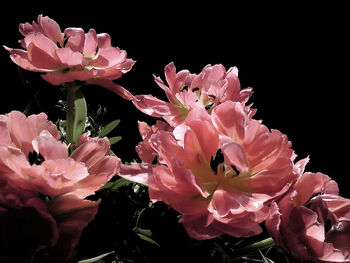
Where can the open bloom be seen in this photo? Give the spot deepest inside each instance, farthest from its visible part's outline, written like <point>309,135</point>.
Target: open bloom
<point>33,159</point>
<point>186,91</point>
<point>312,221</point>
<point>71,55</point>
<point>220,171</point>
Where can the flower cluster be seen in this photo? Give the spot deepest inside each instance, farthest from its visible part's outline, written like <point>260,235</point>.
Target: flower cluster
<point>207,157</point>
<point>226,173</point>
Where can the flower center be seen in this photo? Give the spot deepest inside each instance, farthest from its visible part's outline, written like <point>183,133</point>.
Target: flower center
<point>35,158</point>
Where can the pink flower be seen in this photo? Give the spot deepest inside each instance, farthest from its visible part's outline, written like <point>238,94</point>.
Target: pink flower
<point>186,91</point>
<point>312,222</point>
<point>71,55</point>
<point>220,171</point>
<point>33,159</point>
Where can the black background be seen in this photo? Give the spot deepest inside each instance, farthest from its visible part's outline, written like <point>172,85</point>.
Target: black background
<point>294,56</point>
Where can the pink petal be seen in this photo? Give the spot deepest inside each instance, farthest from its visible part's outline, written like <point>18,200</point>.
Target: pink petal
<point>152,106</point>
<point>20,57</point>
<point>40,123</point>
<point>76,39</point>
<point>57,78</point>
<point>104,40</point>
<point>40,58</point>
<point>4,133</point>
<point>136,172</point>
<point>49,147</point>
<point>70,203</point>
<point>230,119</point>
<point>236,155</point>
<point>90,44</point>
<point>109,57</point>
<point>110,85</point>
<point>91,151</point>
<point>51,29</point>
<point>70,59</point>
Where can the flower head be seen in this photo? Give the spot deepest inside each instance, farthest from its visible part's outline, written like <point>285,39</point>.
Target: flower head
<point>312,221</point>
<point>186,91</point>
<point>220,171</point>
<point>70,55</point>
<point>33,159</point>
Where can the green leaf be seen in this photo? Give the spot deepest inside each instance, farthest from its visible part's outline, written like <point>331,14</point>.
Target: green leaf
<point>114,186</point>
<point>114,140</point>
<point>145,232</point>
<point>108,128</point>
<point>95,259</point>
<point>147,239</point>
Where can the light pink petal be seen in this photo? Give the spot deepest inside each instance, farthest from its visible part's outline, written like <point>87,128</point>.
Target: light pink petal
<point>76,39</point>
<point>236,155</point>
<point>4,134</point>
<point>109,57</point>
<point>40,58</point>
<point>309,185</point>
<point>51,29</point>
<point>90,44</point>
<point>91,151</point>
<point>21,131</point>
<point>104,40</point>
<point>69,58</point>
<point>20,57</point>
<point>152,106</point>
<point>230,119</point>
<point>57,78</point>
<point>127,65</point>
<point>136,172</point>
<point>110,85</point>
<point>12,160</point>
<point>200,142</point>
<point>49,147</point>
<point>40,123</point>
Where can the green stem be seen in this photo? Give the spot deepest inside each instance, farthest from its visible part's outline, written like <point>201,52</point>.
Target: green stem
<point>253,248</point>
<point>76,112</point>
<point>70,112</point>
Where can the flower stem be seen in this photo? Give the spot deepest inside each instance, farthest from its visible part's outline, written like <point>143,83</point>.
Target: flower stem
<point>253,248</point>
<point>76,112</point>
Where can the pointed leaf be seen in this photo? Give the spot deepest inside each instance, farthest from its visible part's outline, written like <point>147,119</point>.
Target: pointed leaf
<point>147,239</point>
<point>95,259</point>
<point>108,128</point>
<point>114,140</point>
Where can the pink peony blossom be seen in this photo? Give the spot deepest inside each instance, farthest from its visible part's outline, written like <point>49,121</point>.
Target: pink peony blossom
<point>34,160</point>
<point>71,55</point>
<point>220,171</point>
<point>186,91</point>
<point>312,221</point>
